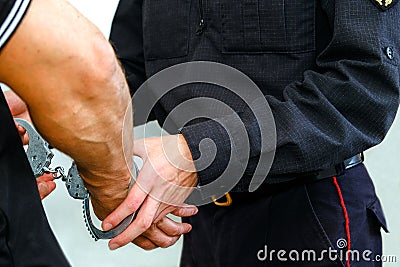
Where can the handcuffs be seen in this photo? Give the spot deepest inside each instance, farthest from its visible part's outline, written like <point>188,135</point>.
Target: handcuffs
<point>40,154</point>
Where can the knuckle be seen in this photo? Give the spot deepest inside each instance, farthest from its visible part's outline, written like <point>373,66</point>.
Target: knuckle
<point>152,228</point>
<point>176,231</point>
<point>161,222</point>
<point>145,224</point>
<point>132,205</point>
<point>146,245</point>
<point>163,244</point>
<point>181,212</point>
<point>167,242</point>
<point>123,241</point>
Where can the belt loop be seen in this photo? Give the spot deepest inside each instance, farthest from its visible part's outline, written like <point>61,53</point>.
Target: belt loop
<point>227,203</point>
<point>340,169</point>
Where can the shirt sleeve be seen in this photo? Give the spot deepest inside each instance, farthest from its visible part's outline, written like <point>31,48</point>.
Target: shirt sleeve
<point>343,107</point>
<point>127,39</point>
<point>11,14</point>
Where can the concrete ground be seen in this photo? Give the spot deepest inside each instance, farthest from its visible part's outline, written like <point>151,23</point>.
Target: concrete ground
<point>65,214</point>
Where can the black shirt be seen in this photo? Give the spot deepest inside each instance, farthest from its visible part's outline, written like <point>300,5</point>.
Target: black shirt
<point>328,69</point>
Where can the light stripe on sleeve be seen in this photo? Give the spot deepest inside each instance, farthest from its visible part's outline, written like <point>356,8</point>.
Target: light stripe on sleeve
<point>13,19</point>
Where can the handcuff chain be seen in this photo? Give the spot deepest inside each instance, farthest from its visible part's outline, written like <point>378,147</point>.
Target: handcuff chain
<point>57,173</point>
<point>40,155</point>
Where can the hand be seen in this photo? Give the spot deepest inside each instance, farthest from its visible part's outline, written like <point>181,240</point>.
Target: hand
<point>19,109</point>
<point>167,178</point>
<point>45,185</point>
<point>166,232</point>
<point>17,106</point>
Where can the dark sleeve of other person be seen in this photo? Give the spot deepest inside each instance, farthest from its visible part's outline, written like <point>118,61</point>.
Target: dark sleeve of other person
<point>341,107</point>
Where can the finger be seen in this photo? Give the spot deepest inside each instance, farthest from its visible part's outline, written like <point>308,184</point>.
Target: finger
<point>133,201</point>
<point>22,133</point>
<point>185,211</point>
<point>173,228</point>
<point>45,188</point>
<point>143,221</point>
<point>163,211</point>
<point>144,243</point>
<point>45,178</point>
<point>135,198</point>
<point>159,237</point>
<point>16,104</point>
<point>21,130</point>
<point>25,139</point>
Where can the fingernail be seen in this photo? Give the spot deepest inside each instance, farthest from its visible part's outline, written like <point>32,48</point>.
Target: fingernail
<point>194,210</point>
<point>113,246</point>
<point>43,188</point>
<point>107,226</point>
<point>188,229</point>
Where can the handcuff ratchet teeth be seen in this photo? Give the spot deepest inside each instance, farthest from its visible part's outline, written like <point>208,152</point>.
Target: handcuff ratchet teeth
<point>38,152</point>
<point>40,155</point>
<point>99,234</point>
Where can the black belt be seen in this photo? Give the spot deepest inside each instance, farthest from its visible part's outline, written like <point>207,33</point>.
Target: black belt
<point>275,184</point>
<point>340,168</point>
<point>335,170</point>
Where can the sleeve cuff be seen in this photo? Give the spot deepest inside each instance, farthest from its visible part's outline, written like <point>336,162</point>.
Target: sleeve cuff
<point>209,144</point>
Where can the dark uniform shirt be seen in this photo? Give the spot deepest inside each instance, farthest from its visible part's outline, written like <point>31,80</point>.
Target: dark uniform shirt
<point>328,69</point>
<point>25,235</point>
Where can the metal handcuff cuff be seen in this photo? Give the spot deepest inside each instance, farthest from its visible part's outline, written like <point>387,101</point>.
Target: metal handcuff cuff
<point>40,155</point>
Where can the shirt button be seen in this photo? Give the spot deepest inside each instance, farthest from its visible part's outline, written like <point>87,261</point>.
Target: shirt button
<point>389,52</point>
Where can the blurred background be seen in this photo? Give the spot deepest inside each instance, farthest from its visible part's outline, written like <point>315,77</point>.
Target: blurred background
<point>66,219</point>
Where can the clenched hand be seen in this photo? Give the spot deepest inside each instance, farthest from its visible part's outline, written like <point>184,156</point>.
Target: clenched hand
<point>167,178</point>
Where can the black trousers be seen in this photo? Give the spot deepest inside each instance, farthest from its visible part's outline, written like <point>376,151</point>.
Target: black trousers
<point>27,240</point>
<point>303,221</point>
<point>25,235</point>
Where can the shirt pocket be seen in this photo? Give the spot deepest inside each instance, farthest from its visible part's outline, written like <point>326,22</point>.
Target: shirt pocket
<point>165,28</point>
<point>267,26</point>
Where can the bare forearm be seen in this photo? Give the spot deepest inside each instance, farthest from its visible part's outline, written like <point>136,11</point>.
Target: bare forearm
<point>75,91</point>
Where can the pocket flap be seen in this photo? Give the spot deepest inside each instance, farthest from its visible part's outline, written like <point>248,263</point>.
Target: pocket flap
<point>377,210</point>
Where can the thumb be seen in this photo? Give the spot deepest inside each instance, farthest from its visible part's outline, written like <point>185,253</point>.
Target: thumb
<point>45,188</point>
